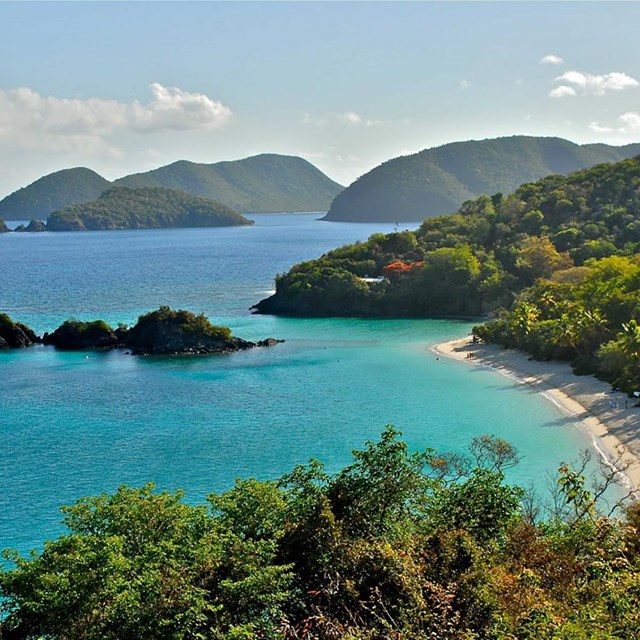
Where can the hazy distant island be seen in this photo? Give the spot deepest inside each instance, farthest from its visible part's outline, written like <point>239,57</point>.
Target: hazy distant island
<point>438,180</point>
<point>259,184</point>
<point>34,226</point>
<point>161,332</point>
<point>146,208</point>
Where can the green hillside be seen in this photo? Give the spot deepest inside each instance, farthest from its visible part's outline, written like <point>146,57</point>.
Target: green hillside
<point>477,259</point>
<point>52,192</point>
<point>562,255</point>
<point>259,184</point>
<point>123,208</point>
<point>439,180</point>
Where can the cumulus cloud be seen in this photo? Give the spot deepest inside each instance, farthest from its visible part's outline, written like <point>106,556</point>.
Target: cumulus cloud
<point>31,120</point>
<point>589,84</point>
<point>562,91</point>
<point>630,122</point>
<point>598,128</point>
<point>551,59</point>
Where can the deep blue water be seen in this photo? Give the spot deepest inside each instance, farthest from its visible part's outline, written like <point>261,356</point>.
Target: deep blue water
<point>72,426</point>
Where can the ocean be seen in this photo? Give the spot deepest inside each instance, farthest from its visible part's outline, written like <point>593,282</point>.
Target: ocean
<point>72,426</point>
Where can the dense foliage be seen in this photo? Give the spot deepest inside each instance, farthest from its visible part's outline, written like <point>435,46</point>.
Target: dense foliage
<point>587,315</point>
<point>124,208</point>
<point>53,192</point>
<point>439,180</point>
<point>263,183</point>
<point>396,546</point>
<point>476,260</point>
<point>168,330</point>
<point>163,331</point>
<point>14,334</point>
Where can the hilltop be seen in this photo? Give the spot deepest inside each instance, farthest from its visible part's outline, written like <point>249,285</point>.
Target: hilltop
<point>263,183</point>
<point>52,192</point>
<point>260,184</point>
<point>124,208</point>
<point>437,181</point>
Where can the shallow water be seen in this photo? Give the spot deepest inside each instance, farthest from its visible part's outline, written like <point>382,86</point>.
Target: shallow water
<point>73,426</point>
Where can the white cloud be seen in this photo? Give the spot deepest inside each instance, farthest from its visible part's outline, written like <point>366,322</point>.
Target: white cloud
<point>349,118</point>
<point>598,85</point>
<point>551,59</point>
<point>562,91</point>
<point>29,120</point>
<point>597,128</point>
<point>630,122</point>
<point>463,85</point>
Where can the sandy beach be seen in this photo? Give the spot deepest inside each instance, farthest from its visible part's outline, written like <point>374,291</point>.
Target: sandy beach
<point>584,399</point>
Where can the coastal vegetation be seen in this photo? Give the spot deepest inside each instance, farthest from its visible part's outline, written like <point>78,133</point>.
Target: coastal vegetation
<point>264,183</point>
<point>397,545</point>
<point>164,331</point>
<point>477,259</point>
<point>438,180</point>
<point>147,208</point>
<point>15,335</point>
<point>587,315</point>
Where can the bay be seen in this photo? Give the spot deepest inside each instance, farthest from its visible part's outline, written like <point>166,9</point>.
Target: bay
<point>72,426</point>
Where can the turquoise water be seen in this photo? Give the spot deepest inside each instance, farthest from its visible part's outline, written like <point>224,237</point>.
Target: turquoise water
<point>72,426</point>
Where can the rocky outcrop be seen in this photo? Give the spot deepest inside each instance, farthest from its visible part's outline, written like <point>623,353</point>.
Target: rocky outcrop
<point>74,335</point>
<point>3,227</point>
<point>15,335</point>
<point>162,332</point>
<point>32,227</point>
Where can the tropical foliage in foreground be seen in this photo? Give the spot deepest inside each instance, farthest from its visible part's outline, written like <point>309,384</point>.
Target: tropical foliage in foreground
<point>397,546</point>
<point>478,259</point>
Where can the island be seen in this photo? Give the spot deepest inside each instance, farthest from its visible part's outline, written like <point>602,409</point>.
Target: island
<point>162,332</point>
<point>3,227</point>
<point>144,208</point>
<point>35,226</point>
<point>260,184</point>
<point>14,335</point>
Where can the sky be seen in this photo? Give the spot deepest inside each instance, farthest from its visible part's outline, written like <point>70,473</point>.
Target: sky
<point>124,87</point>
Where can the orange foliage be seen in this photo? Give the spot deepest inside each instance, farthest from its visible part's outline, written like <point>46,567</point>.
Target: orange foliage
<point>398,267</point>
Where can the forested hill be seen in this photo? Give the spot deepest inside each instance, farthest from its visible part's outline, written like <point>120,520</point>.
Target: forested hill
<point>123,208</point>
<point>437,181</point>
<point>52,192</point>
<point>263,183</point>
<point>477,259</point>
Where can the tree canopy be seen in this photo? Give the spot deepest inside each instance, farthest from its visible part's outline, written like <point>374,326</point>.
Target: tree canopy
<point>398,545</point>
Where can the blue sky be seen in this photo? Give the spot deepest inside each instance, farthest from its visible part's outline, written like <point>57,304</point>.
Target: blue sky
<point>123,87</point>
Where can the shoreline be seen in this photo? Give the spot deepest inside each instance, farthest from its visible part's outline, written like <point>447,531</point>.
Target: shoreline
<point>585,400</point>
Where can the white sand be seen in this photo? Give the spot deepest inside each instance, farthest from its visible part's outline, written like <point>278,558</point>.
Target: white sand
<point>615,432</point>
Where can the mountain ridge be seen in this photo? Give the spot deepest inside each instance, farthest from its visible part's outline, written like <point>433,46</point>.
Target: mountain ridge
<point>257,184</point>
<point>438,180</point>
